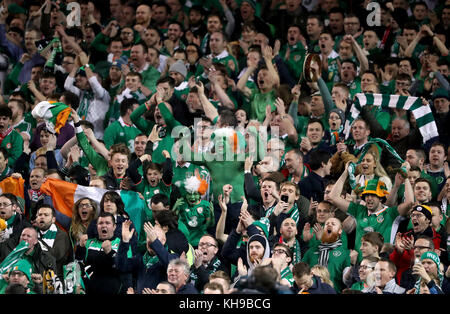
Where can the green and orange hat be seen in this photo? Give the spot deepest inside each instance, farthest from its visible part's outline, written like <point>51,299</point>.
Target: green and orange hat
<point>376,187</point>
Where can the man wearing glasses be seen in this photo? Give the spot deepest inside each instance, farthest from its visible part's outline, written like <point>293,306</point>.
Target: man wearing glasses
<point>206,261</point>
<point>16,222</point>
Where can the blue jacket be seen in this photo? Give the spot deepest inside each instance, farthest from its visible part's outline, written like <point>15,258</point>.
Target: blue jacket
<point>187,289</point>
<point>147,277</point>
<point>318,287</point>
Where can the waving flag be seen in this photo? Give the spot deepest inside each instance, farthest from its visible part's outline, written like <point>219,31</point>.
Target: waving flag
<point>423,115</point>
<point>13,185</point>
<point>64,194</point>
<point>55,114</point>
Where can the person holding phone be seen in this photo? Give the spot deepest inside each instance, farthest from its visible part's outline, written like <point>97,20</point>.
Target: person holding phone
<point>286,207</point>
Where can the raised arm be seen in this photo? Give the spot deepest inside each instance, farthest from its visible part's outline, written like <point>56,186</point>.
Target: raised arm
<point>209,109</point>
<point>336,191</point>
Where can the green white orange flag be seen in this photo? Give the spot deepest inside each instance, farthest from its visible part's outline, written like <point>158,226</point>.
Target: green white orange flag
<point>55,114</point>
<point>64,194</point>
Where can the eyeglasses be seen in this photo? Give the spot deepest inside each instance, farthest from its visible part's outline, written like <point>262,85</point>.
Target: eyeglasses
<point>67,62</point>
<point>85,205</point>
<point>417,216</point>
<point>205,244</point>
<point>280,251</point>
<point>3,205</point>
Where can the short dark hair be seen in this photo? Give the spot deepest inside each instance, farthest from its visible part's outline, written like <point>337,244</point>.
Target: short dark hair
<point>228,117</point>
<point>47,206</point>
<point>300,269</point>
<point>4,152</point>
<point>160,198</point>
<point>127,104</point>
<point>166,79</point>
<point>167,218</point>
<point>317,158</point>
<point>5,111</point>
<point>71,99</point>
<point>315,120</point>
<point>107,214</point>
<point>374,238</point>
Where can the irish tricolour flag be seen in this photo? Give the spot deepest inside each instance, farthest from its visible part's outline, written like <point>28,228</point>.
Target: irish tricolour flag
<point>55,114</point>
<point>423,115</point>
<point>64,194</point>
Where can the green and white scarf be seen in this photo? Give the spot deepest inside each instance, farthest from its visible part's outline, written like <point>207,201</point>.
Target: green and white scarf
<point>422,114</point>
<point>13,257</point>
<point>293,212</point>
<point>48,237</point>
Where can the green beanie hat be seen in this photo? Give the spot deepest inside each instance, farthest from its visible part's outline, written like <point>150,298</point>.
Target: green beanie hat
<point>23,266</point>
<point>264,224</point>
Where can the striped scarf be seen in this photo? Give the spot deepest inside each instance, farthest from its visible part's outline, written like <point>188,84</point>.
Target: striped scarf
<point>13,257</point>
<point>295,249</point>
<point>47,237</point>
<point>293,212</point>
<point>422,114</point>
<point>324,249</point>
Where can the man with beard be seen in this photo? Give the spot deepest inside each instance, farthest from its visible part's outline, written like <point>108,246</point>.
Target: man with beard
<point>288,236</point>
<point>52,239</point>
<point>374,215</point>
<point>99,255</point>
<point>9,137</point>
<point>206,261</point>
<point>151,266</point>
<point>330,252</point>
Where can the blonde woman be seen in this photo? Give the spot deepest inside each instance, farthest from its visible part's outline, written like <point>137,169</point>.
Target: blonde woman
<point>323,273</point>
<point>370,168</point>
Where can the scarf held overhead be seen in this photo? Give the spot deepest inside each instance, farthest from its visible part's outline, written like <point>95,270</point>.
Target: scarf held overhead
<point>423,115</point>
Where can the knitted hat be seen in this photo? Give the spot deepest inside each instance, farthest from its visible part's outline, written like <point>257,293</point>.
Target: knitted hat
<point>340,113</point>
<point>257,237</point>
<point>23,266</point>
<point>376,187</point>
<point>178,67</point>
<point>433,256</point>
<point>440,93</point>
<point>251,2</point>
<point>264,224</point>
<point>424,209</point>
<point>119,62</point>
